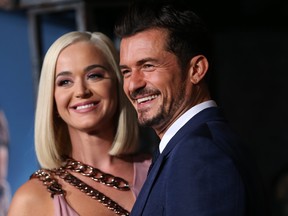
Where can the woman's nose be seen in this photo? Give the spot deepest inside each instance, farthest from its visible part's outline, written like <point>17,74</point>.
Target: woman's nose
<point>82,91</point>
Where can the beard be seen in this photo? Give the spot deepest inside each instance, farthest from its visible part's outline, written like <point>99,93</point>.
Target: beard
<point>146,120</point>
<point>165,112</point>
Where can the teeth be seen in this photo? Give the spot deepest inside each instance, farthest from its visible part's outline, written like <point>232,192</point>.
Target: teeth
<point>84,106</point>
<point>141,100</point>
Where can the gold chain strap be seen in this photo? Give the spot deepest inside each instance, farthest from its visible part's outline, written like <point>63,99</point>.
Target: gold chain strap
<point>55,188</point>
<point>97,175</point>
<point>51,183</point>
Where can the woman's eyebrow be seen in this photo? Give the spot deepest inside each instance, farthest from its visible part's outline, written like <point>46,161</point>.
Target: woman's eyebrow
<point>90,67</point>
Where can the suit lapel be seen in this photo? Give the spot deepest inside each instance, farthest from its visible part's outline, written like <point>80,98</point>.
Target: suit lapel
<point>209,114</point>
<point>200,118</point>
<point>145,191</point>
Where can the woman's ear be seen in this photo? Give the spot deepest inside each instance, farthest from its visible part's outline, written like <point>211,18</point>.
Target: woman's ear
<point>198,68</point>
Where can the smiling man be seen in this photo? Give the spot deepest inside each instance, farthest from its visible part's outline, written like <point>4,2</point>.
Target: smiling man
<point>164,59</point>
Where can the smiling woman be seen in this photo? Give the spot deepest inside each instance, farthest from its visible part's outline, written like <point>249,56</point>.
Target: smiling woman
<point>86,86</point>
<point>89,162</point>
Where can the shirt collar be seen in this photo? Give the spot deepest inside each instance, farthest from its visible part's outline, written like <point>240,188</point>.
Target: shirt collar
<point>183,119</point>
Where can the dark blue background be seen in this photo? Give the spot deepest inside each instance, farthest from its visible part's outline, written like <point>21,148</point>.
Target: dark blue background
<point>17,93</point>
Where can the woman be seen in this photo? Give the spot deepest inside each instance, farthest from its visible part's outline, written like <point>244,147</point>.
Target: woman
<point>86,134</point>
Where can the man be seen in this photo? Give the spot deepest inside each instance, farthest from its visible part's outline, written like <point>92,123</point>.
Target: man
<point>164,59</point>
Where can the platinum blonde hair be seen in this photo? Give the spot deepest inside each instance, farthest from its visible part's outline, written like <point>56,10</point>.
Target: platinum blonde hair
<point>52,140</point>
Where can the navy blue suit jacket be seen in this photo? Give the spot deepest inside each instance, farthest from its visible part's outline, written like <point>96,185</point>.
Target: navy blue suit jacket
<point>199,173</point>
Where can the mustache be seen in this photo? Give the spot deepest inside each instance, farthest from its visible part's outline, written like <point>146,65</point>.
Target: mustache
<point>142,92</point>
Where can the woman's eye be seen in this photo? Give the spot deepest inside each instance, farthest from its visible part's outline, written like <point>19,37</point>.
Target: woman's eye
<point>95,76</point>
<point>63,82</point>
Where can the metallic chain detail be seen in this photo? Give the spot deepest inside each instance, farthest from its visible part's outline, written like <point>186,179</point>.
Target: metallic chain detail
<point>97,175</point>
<point>55,188</point>
<point>93,193</point>
<point>51,183</point>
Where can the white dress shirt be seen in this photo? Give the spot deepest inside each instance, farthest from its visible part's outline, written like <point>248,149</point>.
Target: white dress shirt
<point>172,130</point>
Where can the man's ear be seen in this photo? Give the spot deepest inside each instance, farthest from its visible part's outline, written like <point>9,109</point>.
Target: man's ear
<point>198,68</point>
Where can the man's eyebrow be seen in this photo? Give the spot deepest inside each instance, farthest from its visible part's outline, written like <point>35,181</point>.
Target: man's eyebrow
<point>140,62</point>
<point>123,66</point>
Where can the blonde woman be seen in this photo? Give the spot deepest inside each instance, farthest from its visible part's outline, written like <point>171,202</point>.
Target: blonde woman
<point>86,135</point>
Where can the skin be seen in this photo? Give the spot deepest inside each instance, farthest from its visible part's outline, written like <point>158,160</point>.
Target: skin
<point>86,99</point>
<point>81,95</point>
<point>159,89</point>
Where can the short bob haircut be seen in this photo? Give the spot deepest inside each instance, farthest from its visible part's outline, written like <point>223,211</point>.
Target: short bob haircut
<point>52,140</point>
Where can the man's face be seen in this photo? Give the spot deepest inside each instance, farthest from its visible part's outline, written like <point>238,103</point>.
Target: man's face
<point>153,79</point>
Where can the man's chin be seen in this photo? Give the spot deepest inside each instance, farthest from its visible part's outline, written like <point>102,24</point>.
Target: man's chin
<point>144,121</point>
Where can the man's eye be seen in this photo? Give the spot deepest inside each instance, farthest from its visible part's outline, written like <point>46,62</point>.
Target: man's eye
<point>148,67</point>
<point>125,72</point>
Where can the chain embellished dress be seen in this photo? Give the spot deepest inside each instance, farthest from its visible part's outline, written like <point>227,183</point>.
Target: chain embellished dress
<point>62,208</point>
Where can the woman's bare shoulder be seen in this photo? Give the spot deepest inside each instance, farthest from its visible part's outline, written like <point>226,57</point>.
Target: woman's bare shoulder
<point>31,198</point>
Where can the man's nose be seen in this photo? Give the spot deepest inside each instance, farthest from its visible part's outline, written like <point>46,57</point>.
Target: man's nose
<point>136,81</point>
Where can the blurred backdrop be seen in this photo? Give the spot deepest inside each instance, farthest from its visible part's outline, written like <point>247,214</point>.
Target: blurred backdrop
<point>249,81</point>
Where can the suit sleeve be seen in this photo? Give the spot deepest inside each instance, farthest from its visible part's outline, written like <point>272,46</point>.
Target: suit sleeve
<point>202,181</point>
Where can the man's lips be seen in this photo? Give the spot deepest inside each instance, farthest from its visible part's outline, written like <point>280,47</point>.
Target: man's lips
<point>145,99</point>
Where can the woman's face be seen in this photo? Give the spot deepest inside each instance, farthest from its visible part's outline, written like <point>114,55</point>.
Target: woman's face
<point>85,88</point>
